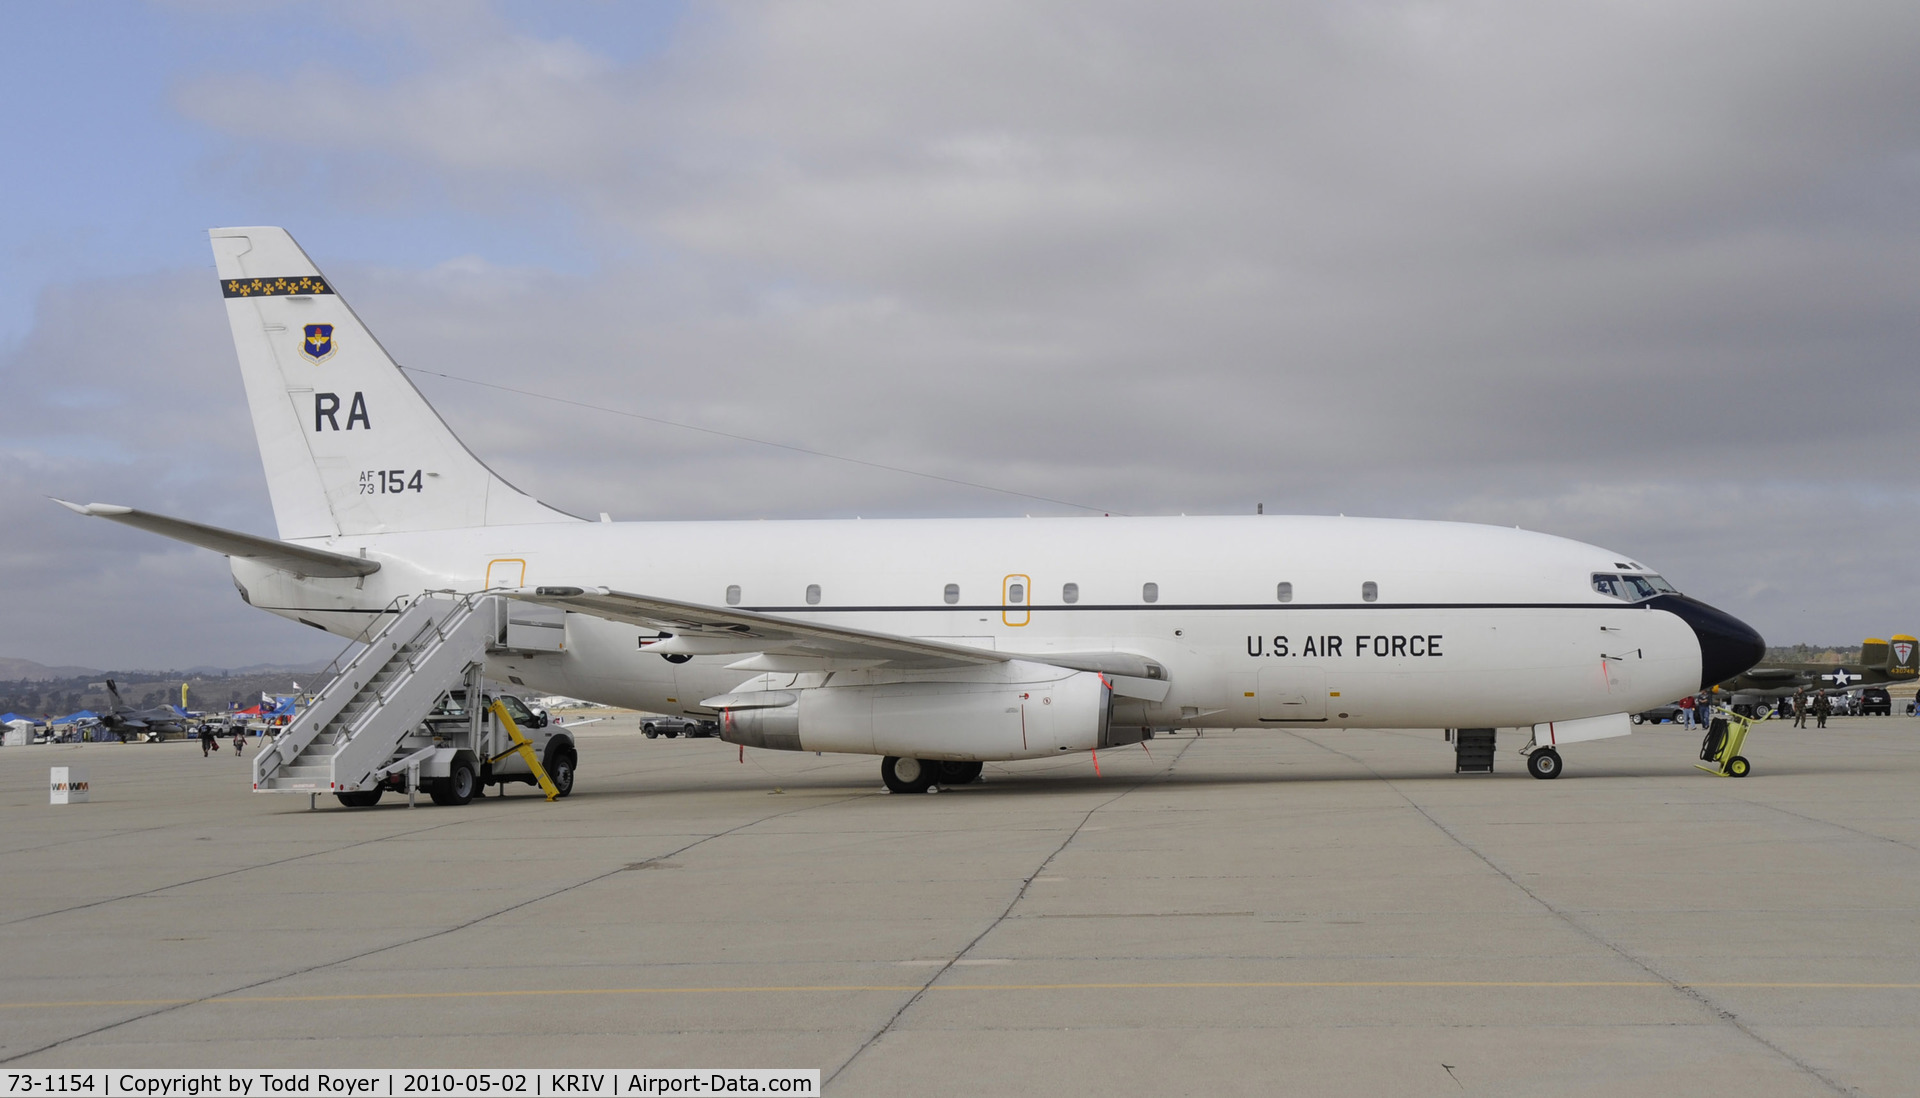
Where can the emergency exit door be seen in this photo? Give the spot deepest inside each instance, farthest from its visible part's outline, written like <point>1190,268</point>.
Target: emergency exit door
<point>1016,600</point>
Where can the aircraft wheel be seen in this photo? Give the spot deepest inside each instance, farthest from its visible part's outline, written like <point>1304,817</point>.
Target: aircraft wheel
<point>365,798</point>
<point>906,775</point>
<point>958,773</point>
<point>1544,763</point>
<point>1738,766</point>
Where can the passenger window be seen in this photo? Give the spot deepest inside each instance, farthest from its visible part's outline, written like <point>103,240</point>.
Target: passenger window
<point>1016,593</point>
<point>952,593</point>
<point>1369,591</point>
<point>1070,593</point>
<point>733,594</point>
<point>813,594</point>
<point>1284,592</point>
<point>1149,592</point>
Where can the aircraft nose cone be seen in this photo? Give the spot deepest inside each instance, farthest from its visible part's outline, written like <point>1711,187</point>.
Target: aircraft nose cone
<point>1728,645</point>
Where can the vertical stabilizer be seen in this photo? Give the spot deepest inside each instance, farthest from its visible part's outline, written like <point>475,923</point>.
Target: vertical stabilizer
<point>1904,657</point>
<point>349,445</point>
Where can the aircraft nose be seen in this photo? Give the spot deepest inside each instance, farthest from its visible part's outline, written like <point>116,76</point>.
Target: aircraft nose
<point>1728,645</point>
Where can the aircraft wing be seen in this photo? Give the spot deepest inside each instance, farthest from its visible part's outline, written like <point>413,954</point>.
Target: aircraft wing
<point>772,643</point>
<point>699,630</point>
<point>286,556</point>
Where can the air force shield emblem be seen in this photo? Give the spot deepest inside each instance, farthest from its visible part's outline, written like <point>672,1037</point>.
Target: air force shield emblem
<point>319,342</point>
<point>1902,651</point>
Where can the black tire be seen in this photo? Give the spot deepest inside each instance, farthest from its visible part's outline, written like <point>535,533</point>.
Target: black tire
<point>1738,767</point>
<point>560,771</point>
<point>1544,764</point>
<point>907,775</point>
<point>365,798</point>
<point>458,786</point>
<point>1638,718</point>
<point>652,735</point>
<point>958,773</point>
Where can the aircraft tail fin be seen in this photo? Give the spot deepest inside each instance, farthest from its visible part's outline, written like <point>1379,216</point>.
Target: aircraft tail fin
<point>1903,657</point>
<point>1874,653</point>
<point>349,445</point>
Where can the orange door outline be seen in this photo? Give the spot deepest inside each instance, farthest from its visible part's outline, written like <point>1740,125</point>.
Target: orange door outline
<point>1016,611</point>
<point>506,572</point>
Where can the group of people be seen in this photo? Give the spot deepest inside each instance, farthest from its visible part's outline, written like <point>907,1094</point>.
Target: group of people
<point>210,742</point>
<point>1803,704</point>
<point>1820,706</point>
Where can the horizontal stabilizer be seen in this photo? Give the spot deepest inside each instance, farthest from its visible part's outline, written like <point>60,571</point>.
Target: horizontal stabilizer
<point>297,559</point>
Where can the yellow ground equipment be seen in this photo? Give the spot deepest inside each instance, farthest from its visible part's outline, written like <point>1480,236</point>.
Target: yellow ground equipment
<point>1726,735</point>
<point>525,749</point>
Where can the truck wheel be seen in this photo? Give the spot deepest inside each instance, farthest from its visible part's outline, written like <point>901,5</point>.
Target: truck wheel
<point>365,798</point>
<point>1638,718</point>
<point>457,787</point>
<point>560,771</point>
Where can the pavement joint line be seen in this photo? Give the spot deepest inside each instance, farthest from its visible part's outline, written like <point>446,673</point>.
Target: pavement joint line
<point>227,873</point>
<point>167,1007</point>
<point>1128,985</point>
<point>1690,991</point>
<point>1019,895</point>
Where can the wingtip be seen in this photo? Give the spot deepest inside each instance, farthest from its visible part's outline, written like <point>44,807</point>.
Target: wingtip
<point>98,510</point>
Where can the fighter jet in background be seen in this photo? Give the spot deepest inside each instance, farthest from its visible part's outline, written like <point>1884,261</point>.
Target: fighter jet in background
<point>146,725</point>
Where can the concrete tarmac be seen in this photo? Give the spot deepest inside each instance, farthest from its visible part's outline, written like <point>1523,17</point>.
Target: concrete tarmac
<point>1251,912</point>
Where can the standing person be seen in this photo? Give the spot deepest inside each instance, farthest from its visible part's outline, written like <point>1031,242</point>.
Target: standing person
<point>206,740</point>
<point>1686,711</point>
<point>1800,708</point>
<point>239,739</point>
<point>1821,707</point>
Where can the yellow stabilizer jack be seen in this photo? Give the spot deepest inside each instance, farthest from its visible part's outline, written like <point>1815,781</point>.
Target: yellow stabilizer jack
<point>1726,735</point>
<point>524,747</point>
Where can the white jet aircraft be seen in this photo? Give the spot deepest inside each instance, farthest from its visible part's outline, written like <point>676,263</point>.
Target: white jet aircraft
<point>936,643</point>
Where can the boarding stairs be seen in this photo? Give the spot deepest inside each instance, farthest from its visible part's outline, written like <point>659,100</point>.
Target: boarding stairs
<point>349,737</point>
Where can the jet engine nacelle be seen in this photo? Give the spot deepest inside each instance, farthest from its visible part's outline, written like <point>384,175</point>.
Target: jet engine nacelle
<point>957,721</point>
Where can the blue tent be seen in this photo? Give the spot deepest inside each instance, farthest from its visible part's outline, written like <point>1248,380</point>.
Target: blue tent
<point>9,718</point>
<point>71,718</point>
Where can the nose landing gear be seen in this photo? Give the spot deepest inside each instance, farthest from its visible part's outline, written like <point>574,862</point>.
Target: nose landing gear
<point>1544,763</point>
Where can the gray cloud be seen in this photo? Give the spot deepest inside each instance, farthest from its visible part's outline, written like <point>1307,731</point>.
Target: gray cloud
<point>1641,276</point>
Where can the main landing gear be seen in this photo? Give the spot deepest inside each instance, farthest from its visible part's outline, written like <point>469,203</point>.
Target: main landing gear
<point>1544,763</point>
<point>920,775</point>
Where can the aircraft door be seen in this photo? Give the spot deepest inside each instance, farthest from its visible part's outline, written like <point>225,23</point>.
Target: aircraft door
<point>1292,693</point>
<point>1016,600</point>
<point>506,572</point>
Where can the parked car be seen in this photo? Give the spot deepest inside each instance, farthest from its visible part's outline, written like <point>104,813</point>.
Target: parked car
<point>1657,714</point>
<point>1875,701</point>
<point>670,727</point>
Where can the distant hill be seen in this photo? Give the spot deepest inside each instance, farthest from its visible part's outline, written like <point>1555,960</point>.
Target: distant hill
<point>12,670</point>
<point>1812,653</point>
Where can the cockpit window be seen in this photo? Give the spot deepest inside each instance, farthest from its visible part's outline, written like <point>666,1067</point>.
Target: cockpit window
<point>1629,588</point>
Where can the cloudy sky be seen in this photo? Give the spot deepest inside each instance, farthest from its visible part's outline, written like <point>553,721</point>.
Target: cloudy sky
<point>1642,274</point>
